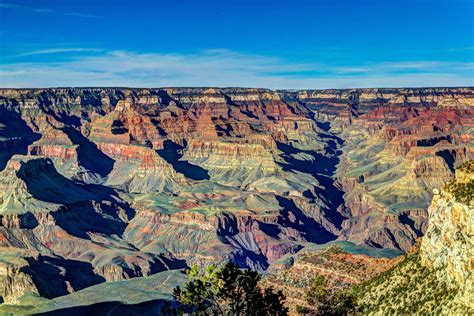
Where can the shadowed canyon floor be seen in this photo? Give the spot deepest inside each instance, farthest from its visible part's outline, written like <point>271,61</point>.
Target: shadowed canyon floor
<point>127,184</point>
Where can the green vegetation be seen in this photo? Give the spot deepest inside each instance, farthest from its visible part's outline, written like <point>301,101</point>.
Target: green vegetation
<point>467,167</point>
<point>463,191</point>
<point>323,300</point>
<point>227,290</point>
<point>407,288</point>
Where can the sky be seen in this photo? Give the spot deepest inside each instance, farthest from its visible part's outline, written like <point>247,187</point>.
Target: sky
<point>292,44</point>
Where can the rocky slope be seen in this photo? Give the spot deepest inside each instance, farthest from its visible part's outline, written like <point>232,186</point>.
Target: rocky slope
<point>126,183</point>
<point>342,264</point>
<point>56,230</point>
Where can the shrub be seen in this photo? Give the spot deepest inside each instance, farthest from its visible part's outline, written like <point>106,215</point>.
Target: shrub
<point>228,290</point>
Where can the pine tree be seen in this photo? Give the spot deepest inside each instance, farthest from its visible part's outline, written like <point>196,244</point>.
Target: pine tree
<point>228,290</point>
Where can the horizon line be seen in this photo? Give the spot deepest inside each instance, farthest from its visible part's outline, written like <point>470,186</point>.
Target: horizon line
<point>232,87</point>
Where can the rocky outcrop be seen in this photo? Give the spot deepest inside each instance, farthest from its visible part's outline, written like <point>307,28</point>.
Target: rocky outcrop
<point>233,162</point>
<point>14,284</point>
<point>447,247</point>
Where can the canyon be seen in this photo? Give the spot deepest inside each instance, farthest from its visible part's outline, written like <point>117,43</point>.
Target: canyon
<point>106,185</point>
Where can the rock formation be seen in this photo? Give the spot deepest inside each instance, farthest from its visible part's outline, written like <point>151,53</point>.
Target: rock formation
<point>399,145</point>
<point>125,183</point>
<point>448,245</point>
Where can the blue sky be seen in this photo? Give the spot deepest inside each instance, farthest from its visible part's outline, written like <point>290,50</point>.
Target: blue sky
<point>273,44</point>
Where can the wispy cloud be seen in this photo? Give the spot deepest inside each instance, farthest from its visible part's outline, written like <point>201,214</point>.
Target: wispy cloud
<point>461,49</point>
<point>221,67</point>
<point>46,10</point>
<point>56,51</point>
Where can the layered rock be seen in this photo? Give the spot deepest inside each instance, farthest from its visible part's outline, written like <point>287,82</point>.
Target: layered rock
<point>124,180</point>
<point>392,160</point>
<point>342,106</point>
<point>399,145</point>
<point>233,162</point>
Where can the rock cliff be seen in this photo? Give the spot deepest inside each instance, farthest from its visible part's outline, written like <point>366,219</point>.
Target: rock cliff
<point>448,245</point>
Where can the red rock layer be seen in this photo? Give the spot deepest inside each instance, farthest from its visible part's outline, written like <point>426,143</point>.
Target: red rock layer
<point>417,149</point>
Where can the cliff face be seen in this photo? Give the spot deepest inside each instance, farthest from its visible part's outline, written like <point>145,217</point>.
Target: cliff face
<point>447,247</point>
<point>130,182</point>
<point>14,283</point>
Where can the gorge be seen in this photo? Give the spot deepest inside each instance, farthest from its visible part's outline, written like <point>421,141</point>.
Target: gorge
<point>107,185</point>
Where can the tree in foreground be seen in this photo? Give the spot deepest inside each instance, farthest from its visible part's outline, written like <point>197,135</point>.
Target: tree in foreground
<point>228,290</point>
<point>325,301</point>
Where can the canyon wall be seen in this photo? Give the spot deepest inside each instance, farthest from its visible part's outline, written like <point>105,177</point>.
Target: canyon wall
<point>399,145</point>
<point>129,182</point>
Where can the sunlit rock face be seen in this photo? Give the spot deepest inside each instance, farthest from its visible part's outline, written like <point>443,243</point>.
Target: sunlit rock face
<point>447,247</point>
<point>130,182</point>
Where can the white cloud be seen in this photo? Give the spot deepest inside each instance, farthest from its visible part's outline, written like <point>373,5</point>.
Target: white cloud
<point>56,51</point>
<point>44,10</point>
<point>221,67</point>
